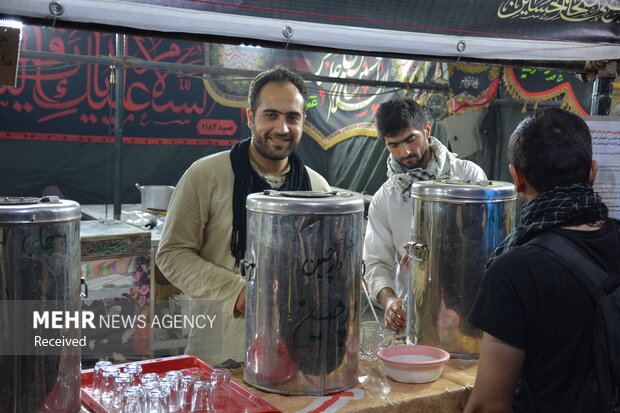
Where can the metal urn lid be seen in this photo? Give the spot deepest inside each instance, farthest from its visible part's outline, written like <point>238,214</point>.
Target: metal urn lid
<point>305,202</point>
<point>455,190</point>
<point>31,210</point>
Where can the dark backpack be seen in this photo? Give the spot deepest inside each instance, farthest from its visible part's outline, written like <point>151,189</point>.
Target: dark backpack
<point>604,289</point>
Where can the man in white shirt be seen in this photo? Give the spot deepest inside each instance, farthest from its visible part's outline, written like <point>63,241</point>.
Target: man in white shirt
<point>415,155</point>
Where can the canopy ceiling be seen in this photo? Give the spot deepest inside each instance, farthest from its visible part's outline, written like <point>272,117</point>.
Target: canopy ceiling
<point>494,30</point>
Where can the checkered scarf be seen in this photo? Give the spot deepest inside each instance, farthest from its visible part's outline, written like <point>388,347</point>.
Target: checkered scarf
<point>564,205</point>
<point>441,165</point>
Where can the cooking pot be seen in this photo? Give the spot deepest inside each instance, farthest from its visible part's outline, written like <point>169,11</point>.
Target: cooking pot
<point>155,197</point>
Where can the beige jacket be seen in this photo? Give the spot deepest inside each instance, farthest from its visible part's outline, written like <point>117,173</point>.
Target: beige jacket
<point>194,254</point>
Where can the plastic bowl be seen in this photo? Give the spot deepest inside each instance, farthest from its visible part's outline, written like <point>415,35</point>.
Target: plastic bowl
<point>413,363</point>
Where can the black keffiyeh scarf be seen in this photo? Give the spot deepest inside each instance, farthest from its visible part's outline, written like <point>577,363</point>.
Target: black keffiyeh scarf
<point>247,181</point>
<point>565,205</point>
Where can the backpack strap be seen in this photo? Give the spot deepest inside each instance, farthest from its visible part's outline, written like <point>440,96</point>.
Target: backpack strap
<point>597,281</point>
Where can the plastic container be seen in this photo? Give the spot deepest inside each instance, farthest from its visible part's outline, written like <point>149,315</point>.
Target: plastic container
<point>413,364</point>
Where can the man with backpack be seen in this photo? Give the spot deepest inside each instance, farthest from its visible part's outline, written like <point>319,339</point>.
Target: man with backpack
<point>549,304</point>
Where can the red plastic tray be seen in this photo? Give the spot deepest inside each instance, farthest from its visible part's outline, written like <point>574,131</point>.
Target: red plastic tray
<point>242,400</point>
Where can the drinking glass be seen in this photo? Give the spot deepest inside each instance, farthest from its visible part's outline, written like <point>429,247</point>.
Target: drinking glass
<point>387,338</point>
<point>146,377</point>
<point>106,391</point>
<point>200,397</point>
<point>220,388</point>
<point>157,401</point>
<point>369,340</point>
<point>187,388</point>
<point>151,384</point>
<point>97,370</point>
<point>171,385</point>
<point>135,370</point>
<point>123,381</point>
<point>133,400</point>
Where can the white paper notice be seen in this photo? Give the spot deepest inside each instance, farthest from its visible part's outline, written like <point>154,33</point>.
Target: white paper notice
<point>605,132</point>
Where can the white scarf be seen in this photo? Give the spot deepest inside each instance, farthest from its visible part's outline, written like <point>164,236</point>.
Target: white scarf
<point>440,166</point>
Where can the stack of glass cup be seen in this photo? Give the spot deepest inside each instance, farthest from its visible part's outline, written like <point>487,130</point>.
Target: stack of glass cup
<point>127,390</point>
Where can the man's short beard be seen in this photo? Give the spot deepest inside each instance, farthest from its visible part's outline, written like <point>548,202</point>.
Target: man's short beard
<point>418,164</point>
<point>263,150</point>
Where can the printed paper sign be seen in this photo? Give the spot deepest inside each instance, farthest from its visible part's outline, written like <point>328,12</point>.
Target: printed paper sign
<point>605,132</point>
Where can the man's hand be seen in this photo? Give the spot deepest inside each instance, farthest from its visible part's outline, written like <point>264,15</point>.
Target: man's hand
<point>395,317</point>
<point>404,261</point>
<point>240,304</point>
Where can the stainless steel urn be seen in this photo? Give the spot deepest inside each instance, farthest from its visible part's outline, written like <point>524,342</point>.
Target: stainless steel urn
<point>456,225</point>
<point>303,262</point>
<point>39,271</point>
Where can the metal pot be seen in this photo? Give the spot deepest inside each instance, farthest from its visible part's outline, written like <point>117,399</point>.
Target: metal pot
<point>304,261</point>
<point>455,227</point>
<point>155,197</point>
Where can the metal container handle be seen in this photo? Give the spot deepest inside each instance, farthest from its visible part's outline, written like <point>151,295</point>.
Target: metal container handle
<point>140,188</point>
<point>52,199</point>
<point>83,288</point>
<point>247,269</point>
<point>418,252</point>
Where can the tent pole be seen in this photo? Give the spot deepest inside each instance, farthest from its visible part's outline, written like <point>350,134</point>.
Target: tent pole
<point>133,62</point>
<point>603,89</point>
<point>119,97</point>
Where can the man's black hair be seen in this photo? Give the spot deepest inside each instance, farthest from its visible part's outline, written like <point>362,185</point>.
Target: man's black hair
<point>278,74</point>
<point>395,115</point>
<point>552,147</point>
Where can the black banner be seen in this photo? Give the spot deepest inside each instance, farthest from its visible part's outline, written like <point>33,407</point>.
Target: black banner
<point>58,123</point>
<point>567,20</point>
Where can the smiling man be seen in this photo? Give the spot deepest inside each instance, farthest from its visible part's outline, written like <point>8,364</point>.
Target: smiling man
<point>204,237</point>
<point>414,156</point>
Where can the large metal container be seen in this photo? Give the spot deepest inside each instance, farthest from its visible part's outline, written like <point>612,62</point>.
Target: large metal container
<point>456,225</point>
<point>39,270</point>
<point>304,263</point>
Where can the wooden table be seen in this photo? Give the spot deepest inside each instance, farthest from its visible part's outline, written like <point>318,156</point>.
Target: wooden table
<point>447,394</point>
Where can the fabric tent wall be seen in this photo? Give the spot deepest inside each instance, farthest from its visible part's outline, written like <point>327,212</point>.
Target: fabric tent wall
<point>57,124</point>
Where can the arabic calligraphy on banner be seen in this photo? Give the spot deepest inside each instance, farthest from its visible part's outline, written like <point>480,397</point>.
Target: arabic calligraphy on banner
<point>169,108</point>
<point>606,11</point>
<point>535,85</point>
<point>339,111</point>
<point>336,103</point>
<point>161,107</point>
<point>227,90</point>
<point>347,97</point>
<point>472,86</point>
<point>335,111</point>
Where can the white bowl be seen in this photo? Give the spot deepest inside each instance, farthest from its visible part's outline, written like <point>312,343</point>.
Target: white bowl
<point>413,363</point>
